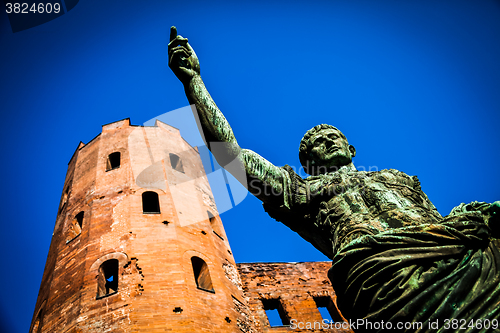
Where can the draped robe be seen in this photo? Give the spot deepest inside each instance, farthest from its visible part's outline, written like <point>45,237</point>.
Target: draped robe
<point>395,258</point>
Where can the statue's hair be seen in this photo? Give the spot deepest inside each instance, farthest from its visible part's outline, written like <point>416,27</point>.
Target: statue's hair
<point>305,146</point>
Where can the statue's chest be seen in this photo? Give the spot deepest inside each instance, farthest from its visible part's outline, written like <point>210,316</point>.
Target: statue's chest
<point>385,186</point>
<point>359,197</point>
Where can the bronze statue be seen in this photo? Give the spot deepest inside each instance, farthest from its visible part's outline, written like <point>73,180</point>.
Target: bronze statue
<point>395,258</point>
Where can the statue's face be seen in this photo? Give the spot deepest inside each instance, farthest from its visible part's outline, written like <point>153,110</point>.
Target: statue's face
<point>330,149</point>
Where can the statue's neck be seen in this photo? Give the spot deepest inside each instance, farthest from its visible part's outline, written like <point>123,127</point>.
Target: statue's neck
<point>346,168</point>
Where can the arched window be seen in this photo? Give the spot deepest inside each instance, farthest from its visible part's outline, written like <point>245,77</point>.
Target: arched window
<point>201,274</point>
<point>75,228</point>
<point>150,203</point>
<point>176,163</point>
<point>113,161</point>
<point>107,280</point>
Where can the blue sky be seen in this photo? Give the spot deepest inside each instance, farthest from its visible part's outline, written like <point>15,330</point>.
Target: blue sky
<point>414,85</point>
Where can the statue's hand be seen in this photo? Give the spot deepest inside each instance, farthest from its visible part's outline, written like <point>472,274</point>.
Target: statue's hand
<point>181,57</point>
<point>494,209</point>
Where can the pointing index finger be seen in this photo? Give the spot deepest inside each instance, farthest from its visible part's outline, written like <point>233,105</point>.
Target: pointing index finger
<point>173,33</point>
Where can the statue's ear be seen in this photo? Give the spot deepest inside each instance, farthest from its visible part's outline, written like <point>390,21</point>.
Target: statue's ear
<point>352,150</point>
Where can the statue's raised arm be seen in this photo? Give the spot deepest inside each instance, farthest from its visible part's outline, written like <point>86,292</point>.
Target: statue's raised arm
<point>383,234</point>
<point>264,177</point>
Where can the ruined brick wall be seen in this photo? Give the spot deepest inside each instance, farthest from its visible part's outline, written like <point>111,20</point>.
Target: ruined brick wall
<point>296,289</point>
<point>156,290</point>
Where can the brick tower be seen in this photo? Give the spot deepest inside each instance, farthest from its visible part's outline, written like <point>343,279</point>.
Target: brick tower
<point>138,245</point>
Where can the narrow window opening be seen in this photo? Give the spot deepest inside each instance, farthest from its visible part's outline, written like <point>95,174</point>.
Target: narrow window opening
<point>324,313</point>
<point>37,325</point>
<point>113,161</point>
<point>202,274</point>
<point>327,309</point>
<point>64,198</point>
<point>107,280</point>
<point>150,203</point>
<point>275,313</point>
<point>216,234</point>
<point>211,217</point>
<point>75,227</point>
<point>176,163</point>
<point>213,223</point>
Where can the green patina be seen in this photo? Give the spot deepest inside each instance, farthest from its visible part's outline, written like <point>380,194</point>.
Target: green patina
<point>395,258</point>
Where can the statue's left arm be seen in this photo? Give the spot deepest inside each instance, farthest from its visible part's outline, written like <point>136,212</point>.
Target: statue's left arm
<point>491,213</point>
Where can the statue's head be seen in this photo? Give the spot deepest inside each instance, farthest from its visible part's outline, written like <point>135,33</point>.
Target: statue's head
<point>323,149</point>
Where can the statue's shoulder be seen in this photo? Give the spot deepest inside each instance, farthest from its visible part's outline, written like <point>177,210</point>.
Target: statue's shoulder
<point>385,175</point>
<point>391,176</point>
<point>392,173</point>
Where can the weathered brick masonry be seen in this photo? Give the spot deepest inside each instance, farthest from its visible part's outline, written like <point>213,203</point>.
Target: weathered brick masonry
<point>138,246</point>
<point>296,289</point>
